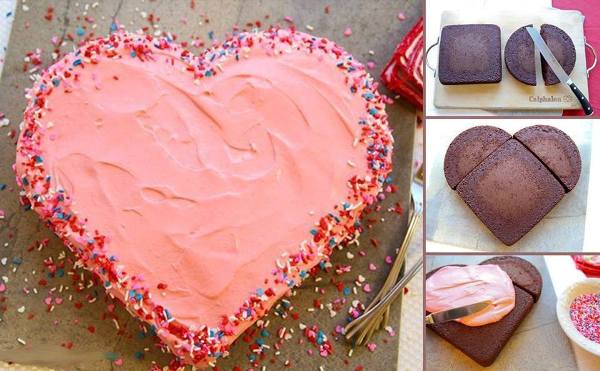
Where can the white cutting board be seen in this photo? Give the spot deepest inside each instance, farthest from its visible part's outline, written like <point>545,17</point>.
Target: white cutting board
<point>511,93</point>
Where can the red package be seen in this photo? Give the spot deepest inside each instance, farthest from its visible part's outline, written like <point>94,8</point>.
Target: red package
<point>588,264</point>
<point>404,72</point>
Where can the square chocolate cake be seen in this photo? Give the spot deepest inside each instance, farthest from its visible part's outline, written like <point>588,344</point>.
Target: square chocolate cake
<point>510,191</point>
<point>470,54</point>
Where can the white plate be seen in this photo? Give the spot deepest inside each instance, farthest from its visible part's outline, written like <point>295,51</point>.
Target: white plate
<point>587,286</point>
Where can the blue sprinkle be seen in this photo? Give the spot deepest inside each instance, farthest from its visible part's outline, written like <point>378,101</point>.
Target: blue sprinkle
<point>80,31</point>
<point>211,35</point>
<point>76,62</point>
<point>113,27</point>
<point>264,333</point>
<point>368,96</point>
<point>25,181</point>
<point>2,186</point>
<point>133,54</point>
<point>303,274</point>
<point>8,14</point>
<point>60,272</point>
<point>139,354</point>
<point>373,111</point>
<point>208,73</point>
<point>291,283</point>
<point>260,292</point>
<point>55,82</point>
<point>260,342</point>
<point>111,356</point>
<point>313,232</point>
<point>332,242</point>
<point>347,291</point>
<point>17,260</point>
<point>37,159</point>
<point>320,337</point>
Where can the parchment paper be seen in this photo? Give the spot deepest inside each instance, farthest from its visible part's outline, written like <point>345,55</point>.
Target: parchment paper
<point>511,93</point>
<point>450,221</point>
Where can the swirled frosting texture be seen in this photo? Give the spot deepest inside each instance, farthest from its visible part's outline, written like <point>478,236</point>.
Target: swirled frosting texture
<point>217,179</point>
<point>201,189</point>
<point>454,286</point>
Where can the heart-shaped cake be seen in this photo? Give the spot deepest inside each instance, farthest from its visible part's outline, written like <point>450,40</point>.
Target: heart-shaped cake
<point>201,189</point>
<point>512,182</point>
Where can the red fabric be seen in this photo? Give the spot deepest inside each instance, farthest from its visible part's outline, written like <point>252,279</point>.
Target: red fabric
<point>585,264</point>
<point>591,29</point>
<point>404,72</point>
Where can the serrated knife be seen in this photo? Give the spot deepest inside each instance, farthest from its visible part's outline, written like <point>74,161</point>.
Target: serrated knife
<point>456,313</point>
<point>558,70</point>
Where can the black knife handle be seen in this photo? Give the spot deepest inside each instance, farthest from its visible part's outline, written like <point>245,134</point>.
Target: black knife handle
<point>585,103</point>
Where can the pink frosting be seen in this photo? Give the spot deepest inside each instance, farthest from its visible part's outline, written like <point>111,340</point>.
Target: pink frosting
<point>452,287</point>
<point>217,179</point>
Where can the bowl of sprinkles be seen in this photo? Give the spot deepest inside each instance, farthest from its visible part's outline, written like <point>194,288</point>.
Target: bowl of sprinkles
<point>578,312</point>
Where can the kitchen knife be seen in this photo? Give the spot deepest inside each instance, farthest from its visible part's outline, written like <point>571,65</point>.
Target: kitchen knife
<point>456,313</point>
<point>558,70</point>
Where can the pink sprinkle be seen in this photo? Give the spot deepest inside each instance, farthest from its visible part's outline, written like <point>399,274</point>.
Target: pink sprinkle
<point>348,32</point>
<point>118,362</point>
<point>372,267</point>
<point>401,16</point>
<point>2,214</point>
<point>48,300</point>
<point>309,352</point>
<point>388,259</point>
<point>367,288</point>
<point>58,301</point>
<point>289,19</point>
<point>2,287</point>
<point>339,329</point>
<point>371,347</point>
<point>371,64</point>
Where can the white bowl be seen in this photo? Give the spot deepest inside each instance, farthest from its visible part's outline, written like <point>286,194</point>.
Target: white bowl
<point>563,305</point>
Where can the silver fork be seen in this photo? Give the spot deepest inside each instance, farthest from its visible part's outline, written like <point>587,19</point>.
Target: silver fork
<point>376,314</point>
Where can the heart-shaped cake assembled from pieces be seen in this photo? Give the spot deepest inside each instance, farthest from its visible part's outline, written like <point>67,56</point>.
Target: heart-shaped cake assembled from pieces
<point>512,182</point>
<point>483,342</point>
<point>201,189</point>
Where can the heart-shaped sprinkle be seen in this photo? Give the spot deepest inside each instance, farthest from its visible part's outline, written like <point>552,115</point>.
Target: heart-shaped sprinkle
<point>511,183</point>
<point>202,189</point>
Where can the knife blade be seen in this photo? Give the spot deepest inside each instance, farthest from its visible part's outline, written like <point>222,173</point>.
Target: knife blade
<point>456,313</point>
<point>558,70</point>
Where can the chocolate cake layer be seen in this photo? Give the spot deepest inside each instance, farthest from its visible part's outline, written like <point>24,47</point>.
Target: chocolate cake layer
<point>521,272</point>
<point>519,56</point>
<point>562,47</point>
<point>469,148</point>
<point>484,343</point>
<point>556,149</point>
<point>510,191</point>
<point>470,54</point>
